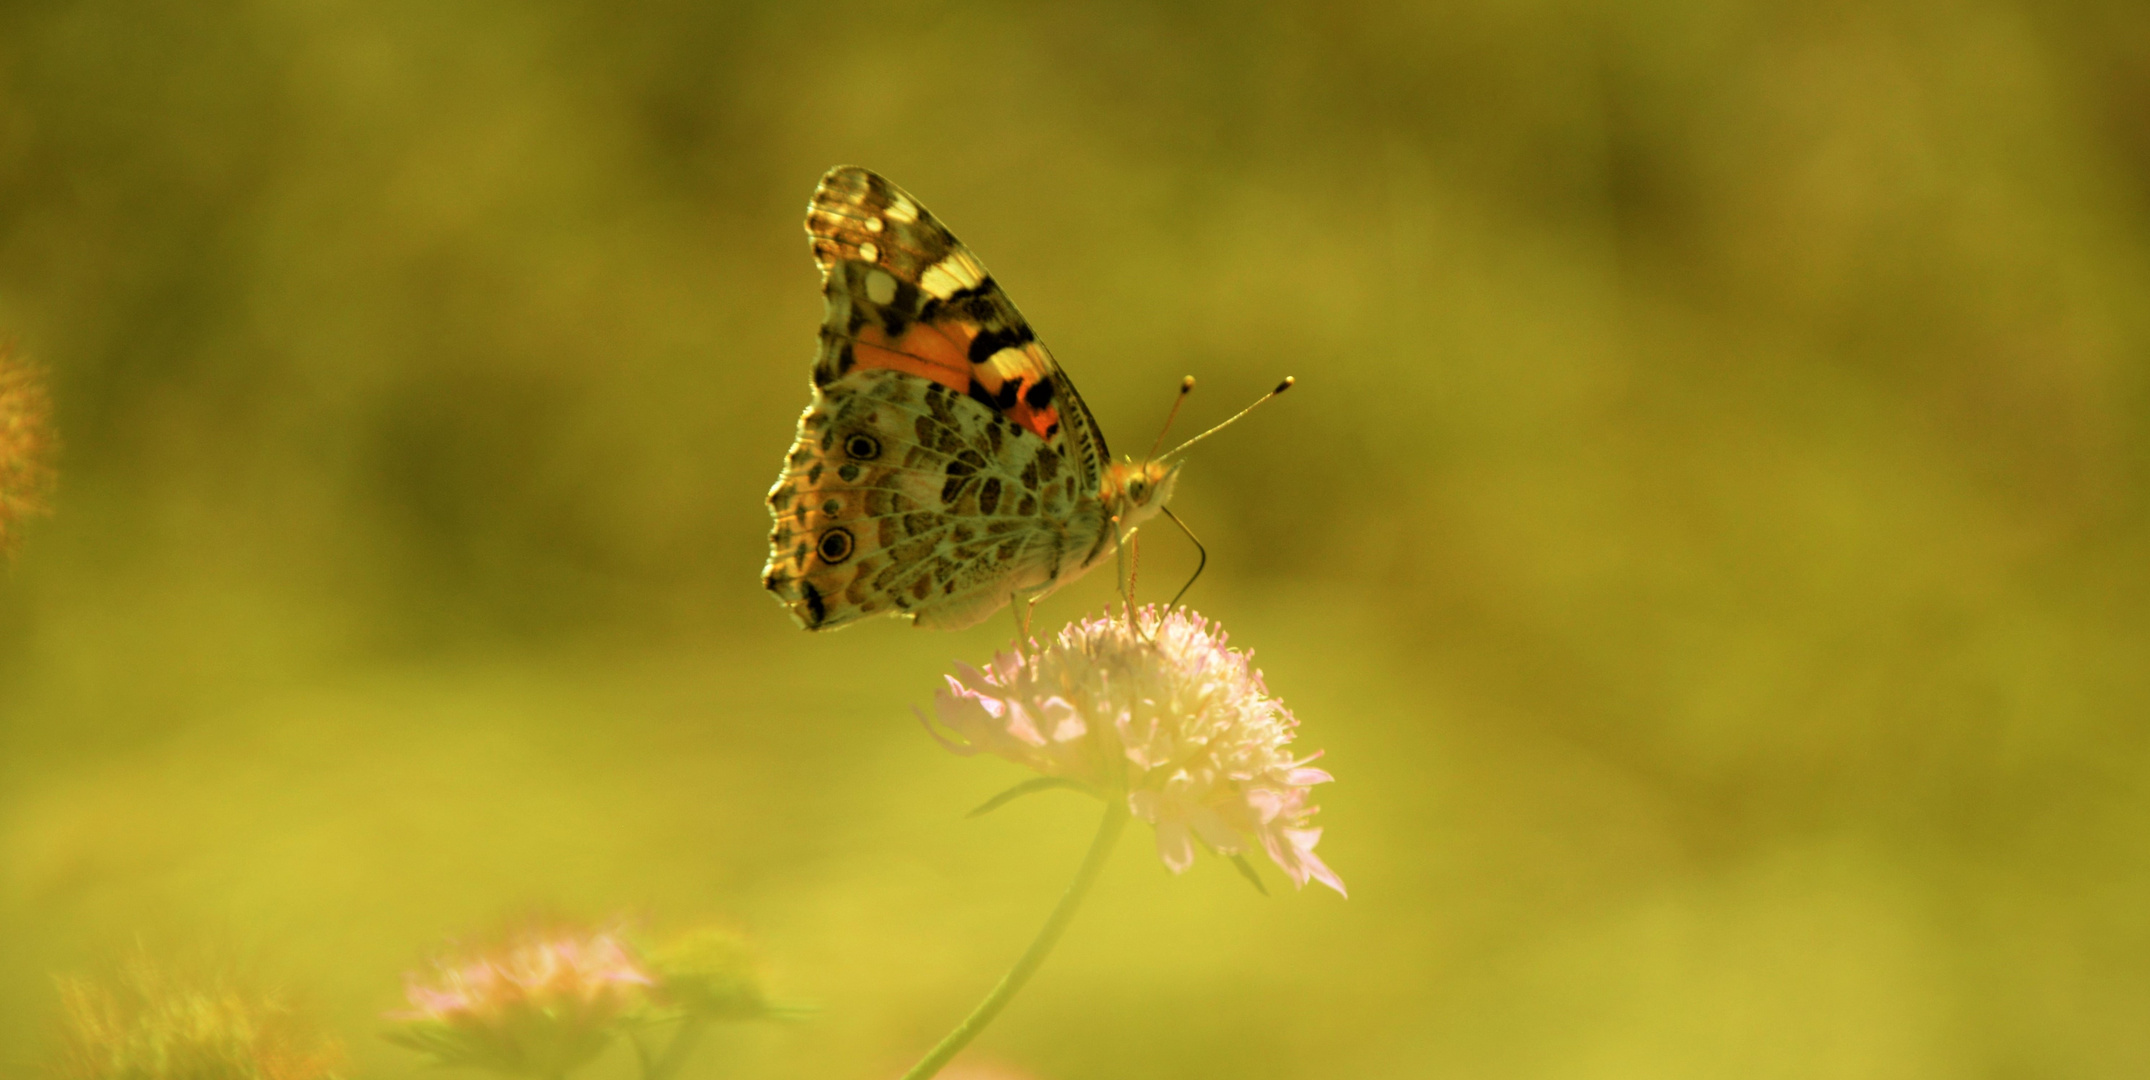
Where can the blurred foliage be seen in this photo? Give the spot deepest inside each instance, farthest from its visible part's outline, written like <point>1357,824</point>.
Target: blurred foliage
<point>26,443</point>
<point>713,973</point>
<point>152,1021</point>
<point>1709,536</point>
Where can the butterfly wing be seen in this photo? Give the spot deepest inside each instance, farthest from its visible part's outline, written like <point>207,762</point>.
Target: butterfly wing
<point>945,462</point>
<point>904,294</point>
<point>901,497</point>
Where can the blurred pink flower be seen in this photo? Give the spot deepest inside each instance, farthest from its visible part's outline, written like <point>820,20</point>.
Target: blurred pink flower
<point>541,1004</point>
<point>1161,713</point>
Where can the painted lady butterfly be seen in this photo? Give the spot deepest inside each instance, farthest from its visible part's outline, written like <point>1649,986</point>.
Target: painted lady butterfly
<point>945,465</point>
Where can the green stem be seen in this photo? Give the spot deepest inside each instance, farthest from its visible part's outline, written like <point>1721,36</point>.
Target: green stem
<point>675,1055</point>
<point>1108,831</point>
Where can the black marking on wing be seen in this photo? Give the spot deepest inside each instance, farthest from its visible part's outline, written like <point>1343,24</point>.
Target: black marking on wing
<point>992,341</point>
<point>896,314</point>
<point>985,287</point>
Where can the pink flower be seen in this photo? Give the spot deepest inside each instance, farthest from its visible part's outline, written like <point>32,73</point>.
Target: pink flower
<point>541,1004</point>
<point>1160,713</point>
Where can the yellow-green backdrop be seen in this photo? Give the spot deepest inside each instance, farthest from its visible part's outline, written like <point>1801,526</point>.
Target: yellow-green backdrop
<point>1709,536</point>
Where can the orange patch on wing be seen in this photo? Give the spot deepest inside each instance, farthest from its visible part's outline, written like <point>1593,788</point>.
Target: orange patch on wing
<point>1040,421</point>
<point>1033,368</point>
<point>941,352</point>
<point>929,352</point>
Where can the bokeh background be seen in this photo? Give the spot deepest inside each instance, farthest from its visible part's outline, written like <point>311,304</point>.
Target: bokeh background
<point>1709,538</point>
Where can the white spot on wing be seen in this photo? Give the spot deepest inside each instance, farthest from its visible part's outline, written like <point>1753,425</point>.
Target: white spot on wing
<point>880,287</point>
<point>1010,362</point>
<point>901,210</point>
<point>873,224</point>
<point>951,275</point>
<point>869,252</point>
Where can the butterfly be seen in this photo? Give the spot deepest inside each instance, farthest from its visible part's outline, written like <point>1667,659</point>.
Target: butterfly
<point>945,466</point>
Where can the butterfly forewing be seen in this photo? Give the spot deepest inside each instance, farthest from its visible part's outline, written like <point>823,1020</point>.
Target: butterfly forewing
<point>903,293</point>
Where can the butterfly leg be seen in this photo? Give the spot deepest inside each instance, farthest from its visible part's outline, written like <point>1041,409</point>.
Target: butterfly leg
<point>1199,549</point>
<point>1134,568</point>
<point>1122,569</point>
<point>1024,606</point>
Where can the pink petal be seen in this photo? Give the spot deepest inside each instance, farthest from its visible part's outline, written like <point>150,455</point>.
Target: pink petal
<point>1266,804</point>
<point>1021,726</point>
<point>958,749</point>
<point>1298,859</point>
<point>1174,847</point>
<point>1144,805</point>
<point>1216,833</point>
<point>1320,872</point>
<point>1069,727</point>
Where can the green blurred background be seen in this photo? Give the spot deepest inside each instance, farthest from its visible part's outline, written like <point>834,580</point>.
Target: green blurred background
<point>1709,537</point>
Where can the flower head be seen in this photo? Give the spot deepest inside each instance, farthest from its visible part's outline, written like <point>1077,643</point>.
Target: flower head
<point>25,444</point>
<point>153,1022</point>
<point>1159,712</point>
<point>712,974</point>
<point>540,1004</point>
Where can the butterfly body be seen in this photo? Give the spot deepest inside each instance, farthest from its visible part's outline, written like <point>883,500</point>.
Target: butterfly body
<point>944,465</point>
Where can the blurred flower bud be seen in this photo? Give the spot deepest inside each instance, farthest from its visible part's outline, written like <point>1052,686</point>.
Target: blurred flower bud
<point>710,974</point>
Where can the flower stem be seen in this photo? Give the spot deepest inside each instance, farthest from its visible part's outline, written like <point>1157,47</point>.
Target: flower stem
<point>675,1055</point>
<point>1108,831</point>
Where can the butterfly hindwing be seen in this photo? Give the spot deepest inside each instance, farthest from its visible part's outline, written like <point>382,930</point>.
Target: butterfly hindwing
<point>900,496</point>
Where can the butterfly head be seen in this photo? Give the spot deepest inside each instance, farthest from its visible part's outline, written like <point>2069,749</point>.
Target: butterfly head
<point>1136,490</point>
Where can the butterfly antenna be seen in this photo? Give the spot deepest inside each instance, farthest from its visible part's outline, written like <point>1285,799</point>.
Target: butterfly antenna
<point>1198,567</point>
<point>1281,387</point>
<point>1186,388</point>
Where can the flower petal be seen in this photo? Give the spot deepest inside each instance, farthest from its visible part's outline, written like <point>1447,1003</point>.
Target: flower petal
<point>1158,707</point>
<point>1174,847</point>
<point>953,747</point>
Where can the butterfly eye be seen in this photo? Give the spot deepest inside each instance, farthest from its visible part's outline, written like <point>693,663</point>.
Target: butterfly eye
<point>862,447</point>
<point>1137,490</point>
<point>835,545</point>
